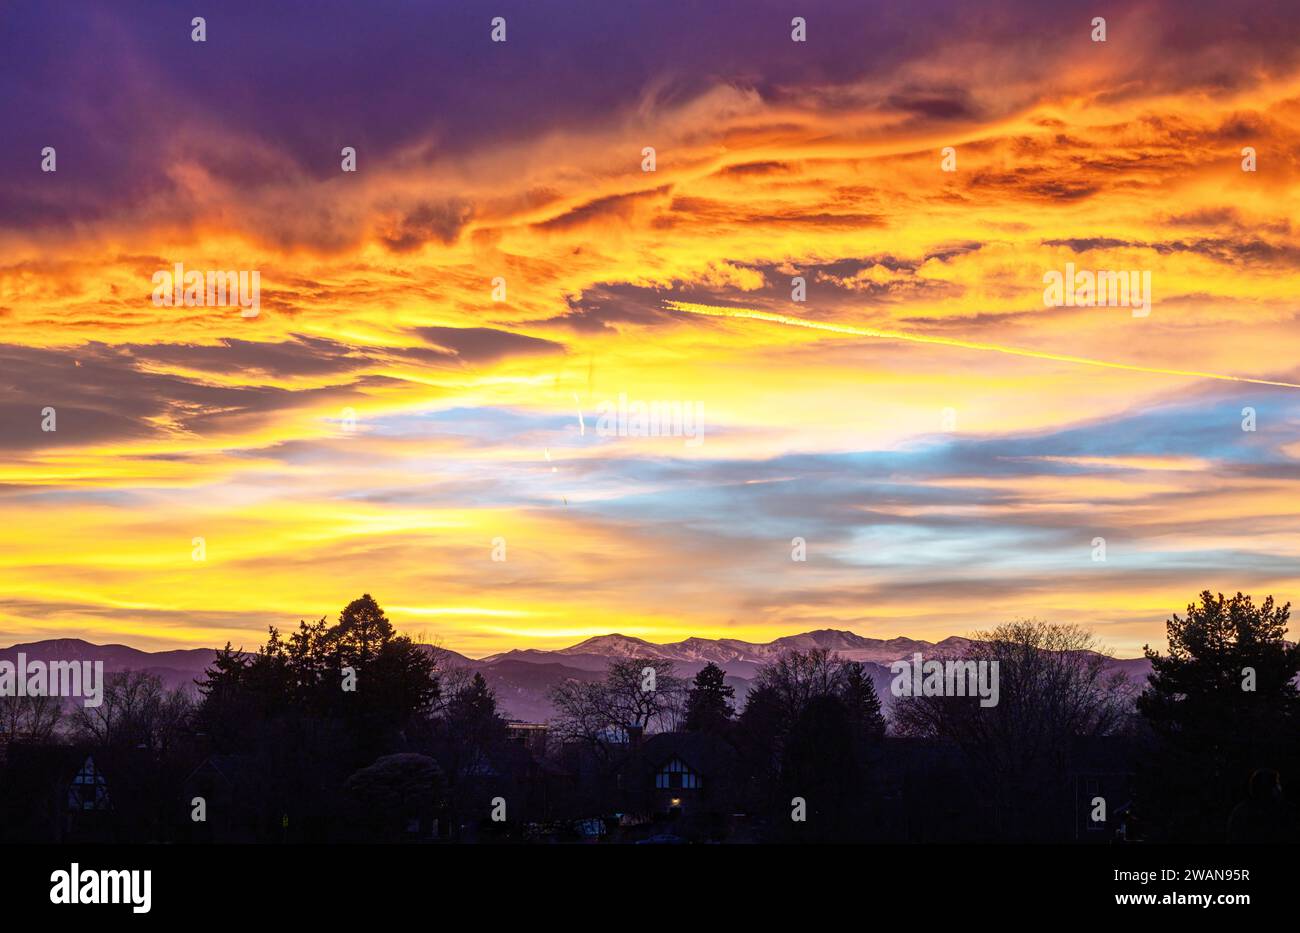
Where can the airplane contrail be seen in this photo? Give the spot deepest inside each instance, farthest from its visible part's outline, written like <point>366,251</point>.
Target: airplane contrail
<point>752,314</point>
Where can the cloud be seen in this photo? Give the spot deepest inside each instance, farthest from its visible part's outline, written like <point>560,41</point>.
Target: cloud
<point>301,356</point>
<point>382,408</point>
<point>439,222</point>
<point>484,344</point>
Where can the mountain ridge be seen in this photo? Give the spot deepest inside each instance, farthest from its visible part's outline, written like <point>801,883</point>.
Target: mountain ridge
<point>522,677</point>
<point>613,644</point>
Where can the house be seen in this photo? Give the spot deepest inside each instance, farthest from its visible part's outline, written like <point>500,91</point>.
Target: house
<point>531,735</point>
<point>679,781</point>
<point>89,789</point>
<point>535,788</point>
<point>682,774</point>
<point>55,793</point>
<point>224,784</point>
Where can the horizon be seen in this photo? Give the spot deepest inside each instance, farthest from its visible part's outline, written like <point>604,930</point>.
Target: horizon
<point>825,283</point>
<point>1101,649</point>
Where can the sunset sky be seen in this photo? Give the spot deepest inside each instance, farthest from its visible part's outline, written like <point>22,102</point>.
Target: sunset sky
<point>476,419</point>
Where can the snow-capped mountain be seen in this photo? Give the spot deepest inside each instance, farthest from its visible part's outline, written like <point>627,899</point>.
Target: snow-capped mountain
<point>523,678</point>
<point>741,658</point>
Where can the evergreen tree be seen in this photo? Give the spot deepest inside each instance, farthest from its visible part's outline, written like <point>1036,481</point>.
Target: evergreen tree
<point>861,702</point>
<point>472,713</point>
<point>363,630</point>
<point>1223,703</point>
<point>709,704</point>
<point>302,676</point>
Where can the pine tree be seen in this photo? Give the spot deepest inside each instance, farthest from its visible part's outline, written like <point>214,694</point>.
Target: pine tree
<point>475,706</point>
<point>860,700</point>
<point>709,705</point>
<point>1222,703</point>
<point>362,631</point>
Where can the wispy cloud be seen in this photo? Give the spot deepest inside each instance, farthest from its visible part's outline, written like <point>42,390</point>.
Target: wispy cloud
<point>439,329</point>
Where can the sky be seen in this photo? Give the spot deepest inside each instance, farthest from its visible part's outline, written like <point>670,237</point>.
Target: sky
<point>947,446</point>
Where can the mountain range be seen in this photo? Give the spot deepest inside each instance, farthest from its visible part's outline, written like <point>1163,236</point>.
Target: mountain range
<point>522,678</point>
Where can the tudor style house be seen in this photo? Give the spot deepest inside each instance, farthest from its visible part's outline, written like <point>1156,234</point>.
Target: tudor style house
<point>686,773</point>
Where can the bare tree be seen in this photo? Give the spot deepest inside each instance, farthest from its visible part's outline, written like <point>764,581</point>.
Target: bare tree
<point>797,677</point>
<point>1053,690</point>
<point>581,714</point>
<point>31,718</point>
<point>136,711</point>
<point>644,693</point>
<point>452,681</point>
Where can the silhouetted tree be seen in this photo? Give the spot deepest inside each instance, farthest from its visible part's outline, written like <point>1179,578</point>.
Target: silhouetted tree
<point>476,706</point>
<point>297,732</point>
<point>1053,690</point>
<point>861,702</point>
<point>363,631</point>
<point>643,693</point>
<point>820,767</point>
<point>709,704</point>
<point>469,738</point>
<point>470,726</point>
<point>395,679</point>
<point>797,677</point>
<point>581,715</point>
<point>800,700</point>
<point>227,709</point>
<point>28,718</point>
<point>1222,704</point>
<point>760,732</point>
<point>136,712</point>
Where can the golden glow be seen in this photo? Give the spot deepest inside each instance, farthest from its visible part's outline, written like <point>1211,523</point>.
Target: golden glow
<point>384,421</point>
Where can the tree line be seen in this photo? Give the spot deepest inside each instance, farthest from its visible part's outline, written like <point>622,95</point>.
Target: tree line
<point>1210,738</point>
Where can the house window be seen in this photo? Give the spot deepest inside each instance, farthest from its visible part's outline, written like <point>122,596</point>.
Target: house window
<point>89,790</point>
<point>675,775</point>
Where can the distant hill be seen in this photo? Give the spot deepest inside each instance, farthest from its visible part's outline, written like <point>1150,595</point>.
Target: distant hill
<point>522,678</point>
<point>175,668</point>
